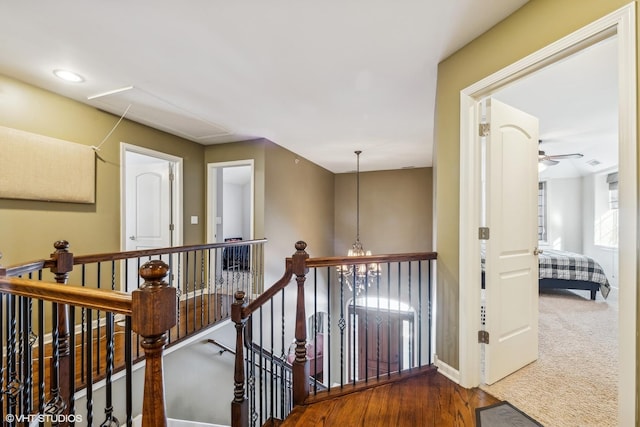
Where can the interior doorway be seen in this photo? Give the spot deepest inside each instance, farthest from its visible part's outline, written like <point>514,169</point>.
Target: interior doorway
<point>622,25</point>
<point>230,201</point>
<point>151,203</point>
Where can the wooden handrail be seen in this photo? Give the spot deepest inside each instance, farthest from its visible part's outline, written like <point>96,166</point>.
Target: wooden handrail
<point>31,266</point>
<point>329,262</point>
<point>96,299</point>
<point>26,268</point>
<point>369,259</point>
<point>270,292</point>
<point>113,256</point>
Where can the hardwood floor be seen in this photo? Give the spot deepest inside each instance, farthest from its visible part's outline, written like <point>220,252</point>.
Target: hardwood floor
<point>428,399</point>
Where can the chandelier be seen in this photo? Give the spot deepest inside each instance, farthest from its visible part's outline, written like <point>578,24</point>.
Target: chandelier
<point>358,276</point>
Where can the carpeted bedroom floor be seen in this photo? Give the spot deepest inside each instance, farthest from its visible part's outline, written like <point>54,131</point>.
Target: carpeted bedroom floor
<point>574,382</point>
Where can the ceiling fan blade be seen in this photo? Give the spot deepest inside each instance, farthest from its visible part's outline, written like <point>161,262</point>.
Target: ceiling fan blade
<point>565,156</point>
<point>547,161</point>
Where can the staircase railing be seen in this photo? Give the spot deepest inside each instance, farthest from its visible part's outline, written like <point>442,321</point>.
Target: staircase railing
<point>349,322</point>
<point>36,391</point>
<point>50,352</point>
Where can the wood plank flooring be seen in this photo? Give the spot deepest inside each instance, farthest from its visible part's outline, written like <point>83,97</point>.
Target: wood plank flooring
<point>428,399</point>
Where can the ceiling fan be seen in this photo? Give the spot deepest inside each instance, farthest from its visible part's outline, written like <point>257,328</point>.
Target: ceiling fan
<point>550,160</point>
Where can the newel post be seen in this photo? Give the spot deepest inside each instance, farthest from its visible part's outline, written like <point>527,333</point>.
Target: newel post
<point>61,360</point>
<point>300,363</point>
<point>239,408</point>
<point>153,314</point>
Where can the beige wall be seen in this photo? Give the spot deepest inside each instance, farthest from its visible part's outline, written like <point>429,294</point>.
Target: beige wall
<point>537,24</point>
<point>395,211</point>
<point>29,228</point>
<point>300,204</point>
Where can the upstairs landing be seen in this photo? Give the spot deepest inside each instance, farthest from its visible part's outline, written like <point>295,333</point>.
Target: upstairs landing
<point>425,399</point>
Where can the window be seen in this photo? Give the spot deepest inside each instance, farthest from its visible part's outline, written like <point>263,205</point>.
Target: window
<point>612,180</point>
<point>542,211</point>
<point>606,210</point>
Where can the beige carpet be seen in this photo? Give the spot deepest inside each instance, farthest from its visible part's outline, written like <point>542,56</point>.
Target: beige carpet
<point>574,382</point>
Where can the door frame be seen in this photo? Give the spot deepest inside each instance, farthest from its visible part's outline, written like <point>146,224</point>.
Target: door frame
<point>622,24</point>
<point>212,195</point>
<point>177,199</point>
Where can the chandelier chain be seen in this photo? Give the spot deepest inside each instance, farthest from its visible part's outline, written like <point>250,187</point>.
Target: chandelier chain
<point>358,195</point>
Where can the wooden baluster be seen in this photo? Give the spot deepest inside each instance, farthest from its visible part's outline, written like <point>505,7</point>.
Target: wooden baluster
<point>239,407</point>
<point>301,363</point>
<point>60,390</point>
<point>154,313</point>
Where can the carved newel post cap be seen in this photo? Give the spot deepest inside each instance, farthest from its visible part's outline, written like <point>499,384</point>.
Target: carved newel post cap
<point>299,268</point>
<point>239,296</point>
<point>63,260</point>
<point>61,245</point>
<point>154,271</point>
<point>154,302</point>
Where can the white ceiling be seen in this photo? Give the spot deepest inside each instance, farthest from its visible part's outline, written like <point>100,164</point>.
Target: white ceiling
<point>322,79</point>
<point>576,102</point>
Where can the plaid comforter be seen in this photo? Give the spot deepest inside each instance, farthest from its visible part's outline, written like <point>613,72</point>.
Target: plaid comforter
<point>554,264</point>
<point>571,266</point>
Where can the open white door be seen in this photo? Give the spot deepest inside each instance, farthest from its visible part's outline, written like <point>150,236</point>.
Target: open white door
<point>511,275</point>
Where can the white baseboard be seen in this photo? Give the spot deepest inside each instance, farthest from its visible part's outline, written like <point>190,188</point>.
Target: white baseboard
<point>447,371</point>
<point>137,422</point>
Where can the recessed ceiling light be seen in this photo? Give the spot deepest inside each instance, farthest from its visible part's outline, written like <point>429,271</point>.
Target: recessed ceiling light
<point>68,76</point>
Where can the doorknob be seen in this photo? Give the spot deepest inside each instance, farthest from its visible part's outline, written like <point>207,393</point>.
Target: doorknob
<point>132,237</point>
<point>537,251</point>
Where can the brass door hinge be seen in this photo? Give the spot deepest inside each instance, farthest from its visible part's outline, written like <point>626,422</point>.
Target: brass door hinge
<point>483,233</point>
<point>483,337</point>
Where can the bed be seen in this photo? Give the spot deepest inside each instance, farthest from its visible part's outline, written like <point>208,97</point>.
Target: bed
<point>569,270</point>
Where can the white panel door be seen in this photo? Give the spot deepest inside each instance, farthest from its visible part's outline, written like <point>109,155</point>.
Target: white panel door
<point>511,259</point>
<point>148,207</point>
